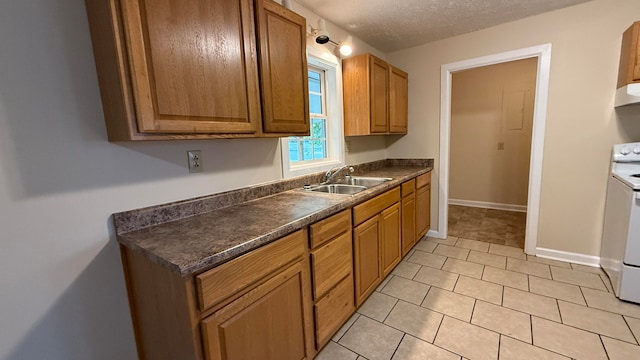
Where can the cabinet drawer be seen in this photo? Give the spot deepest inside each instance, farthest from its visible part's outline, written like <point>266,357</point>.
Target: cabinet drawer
<point>330,263</point>
<point>408,187</point>
<point>423,180</point>
<point>227,279</point>
<point>332,310</point>
<point>372,207</point>
<point>327,229</point>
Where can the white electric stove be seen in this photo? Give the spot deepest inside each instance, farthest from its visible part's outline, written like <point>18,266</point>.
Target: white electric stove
<point>620,250</point>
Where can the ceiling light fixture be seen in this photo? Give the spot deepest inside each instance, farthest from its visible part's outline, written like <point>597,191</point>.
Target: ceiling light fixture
<point>346,47</point>
<point>321,36</point>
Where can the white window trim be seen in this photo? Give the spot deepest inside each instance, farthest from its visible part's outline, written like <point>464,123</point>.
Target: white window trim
<point>335,129</point>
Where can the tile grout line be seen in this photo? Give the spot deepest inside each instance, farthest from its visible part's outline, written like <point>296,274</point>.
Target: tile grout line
<point>604,347</point>
<point>398,346</point>
<point>632,333</point>
<point>531,328</point>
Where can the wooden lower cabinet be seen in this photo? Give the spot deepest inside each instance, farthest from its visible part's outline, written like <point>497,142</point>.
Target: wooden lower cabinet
<point>391,238</point>
<point>376,241</point>
<point>332,275</point>
<point>256,306</point>
<point>282,301</point>
<point>408,222</point>
<point>423,204</point>
<point>267,322</point>
<point>366,245</point>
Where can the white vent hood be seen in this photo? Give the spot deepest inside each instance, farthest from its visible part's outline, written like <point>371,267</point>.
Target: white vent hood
<point>628,95</point>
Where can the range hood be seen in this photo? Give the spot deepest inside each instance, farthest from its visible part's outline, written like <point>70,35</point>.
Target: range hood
<point>628,95</point>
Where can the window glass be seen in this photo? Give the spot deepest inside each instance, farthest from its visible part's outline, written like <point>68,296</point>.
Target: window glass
<point>323,148</point>
<point>314,146</point>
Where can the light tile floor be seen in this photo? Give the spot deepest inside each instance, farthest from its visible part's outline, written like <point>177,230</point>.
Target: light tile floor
<point>465,299</point>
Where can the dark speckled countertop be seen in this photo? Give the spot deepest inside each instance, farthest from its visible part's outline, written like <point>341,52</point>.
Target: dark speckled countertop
<point>195,235</point>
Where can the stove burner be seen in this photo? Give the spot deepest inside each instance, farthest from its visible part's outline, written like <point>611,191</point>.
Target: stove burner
<point>636,175</point>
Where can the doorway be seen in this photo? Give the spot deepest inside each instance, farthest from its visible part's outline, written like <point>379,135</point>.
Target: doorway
<point>490,151</point>
<point>543,55</point>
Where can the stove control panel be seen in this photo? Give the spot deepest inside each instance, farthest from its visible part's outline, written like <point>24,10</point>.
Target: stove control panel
<point>629,152</point>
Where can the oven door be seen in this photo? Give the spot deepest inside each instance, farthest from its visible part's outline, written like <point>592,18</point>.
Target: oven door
<point>617,214</point>
<point>632,250</point>
<point>620,250</point>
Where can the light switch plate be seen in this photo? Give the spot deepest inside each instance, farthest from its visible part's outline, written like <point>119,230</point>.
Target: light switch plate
<point>195,161</point>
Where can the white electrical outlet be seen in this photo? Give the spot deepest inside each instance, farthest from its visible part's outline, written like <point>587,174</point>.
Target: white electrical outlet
<point>195,160</point>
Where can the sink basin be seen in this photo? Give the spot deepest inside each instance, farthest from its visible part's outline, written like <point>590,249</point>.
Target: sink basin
<point>344,189</point>
<point>364,181</point>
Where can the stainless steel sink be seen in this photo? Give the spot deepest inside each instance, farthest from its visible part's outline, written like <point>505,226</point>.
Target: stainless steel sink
<point>350,185</point>
<point>344,189</point>
<point>364,181</point>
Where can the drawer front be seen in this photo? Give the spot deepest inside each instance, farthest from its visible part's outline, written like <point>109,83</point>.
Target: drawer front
<point>327,229</point>
<point>372,207</point>
<point>229,278</point>
<point>408,187</point>
<point>330,263</point>
<point>333,310</point>
<point>423,180</point>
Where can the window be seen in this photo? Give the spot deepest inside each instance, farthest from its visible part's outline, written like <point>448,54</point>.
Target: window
<point>323,148</point>
<point>314,146</point>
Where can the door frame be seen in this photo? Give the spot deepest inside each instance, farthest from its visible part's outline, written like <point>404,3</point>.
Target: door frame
<point>543,53</point>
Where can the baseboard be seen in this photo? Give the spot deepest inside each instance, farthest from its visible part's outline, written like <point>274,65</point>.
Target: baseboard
<point>434,234</point>
<point>488,205</point>
<point>582,259</point>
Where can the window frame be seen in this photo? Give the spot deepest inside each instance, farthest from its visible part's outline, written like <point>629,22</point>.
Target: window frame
<point>335,122</point>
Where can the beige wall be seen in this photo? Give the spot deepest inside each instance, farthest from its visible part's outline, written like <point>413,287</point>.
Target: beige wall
<point>581,125</point>
<point>485,111</point>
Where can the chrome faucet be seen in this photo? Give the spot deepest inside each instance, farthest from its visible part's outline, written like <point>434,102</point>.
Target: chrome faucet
<point>334,171</point>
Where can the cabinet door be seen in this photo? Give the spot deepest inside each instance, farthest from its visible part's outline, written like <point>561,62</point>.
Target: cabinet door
<point>636,58</point>
<point>379,95</point>
<point>366,242</point>
<point>272,321</point>
<point>391,247</point>
<point>408,222</point>
<point>398,100</point>
<point>193,66</point>
<point>283,65</point>
<point>423,210</point>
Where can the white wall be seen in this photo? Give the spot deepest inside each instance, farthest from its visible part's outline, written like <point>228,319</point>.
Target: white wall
<point>582,124</point>
<point>62,289</point>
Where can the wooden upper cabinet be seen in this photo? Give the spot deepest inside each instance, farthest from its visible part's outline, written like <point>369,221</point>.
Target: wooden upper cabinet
<point>283,64</point>
<point>193,70</point>
<point>379,87</point>
<point>192,65</point>
<point>375,96</point>
<point>629,70</point>
<point>398,100</point>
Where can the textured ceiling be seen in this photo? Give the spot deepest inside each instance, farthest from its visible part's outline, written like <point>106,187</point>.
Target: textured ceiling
<point>390,25</point>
